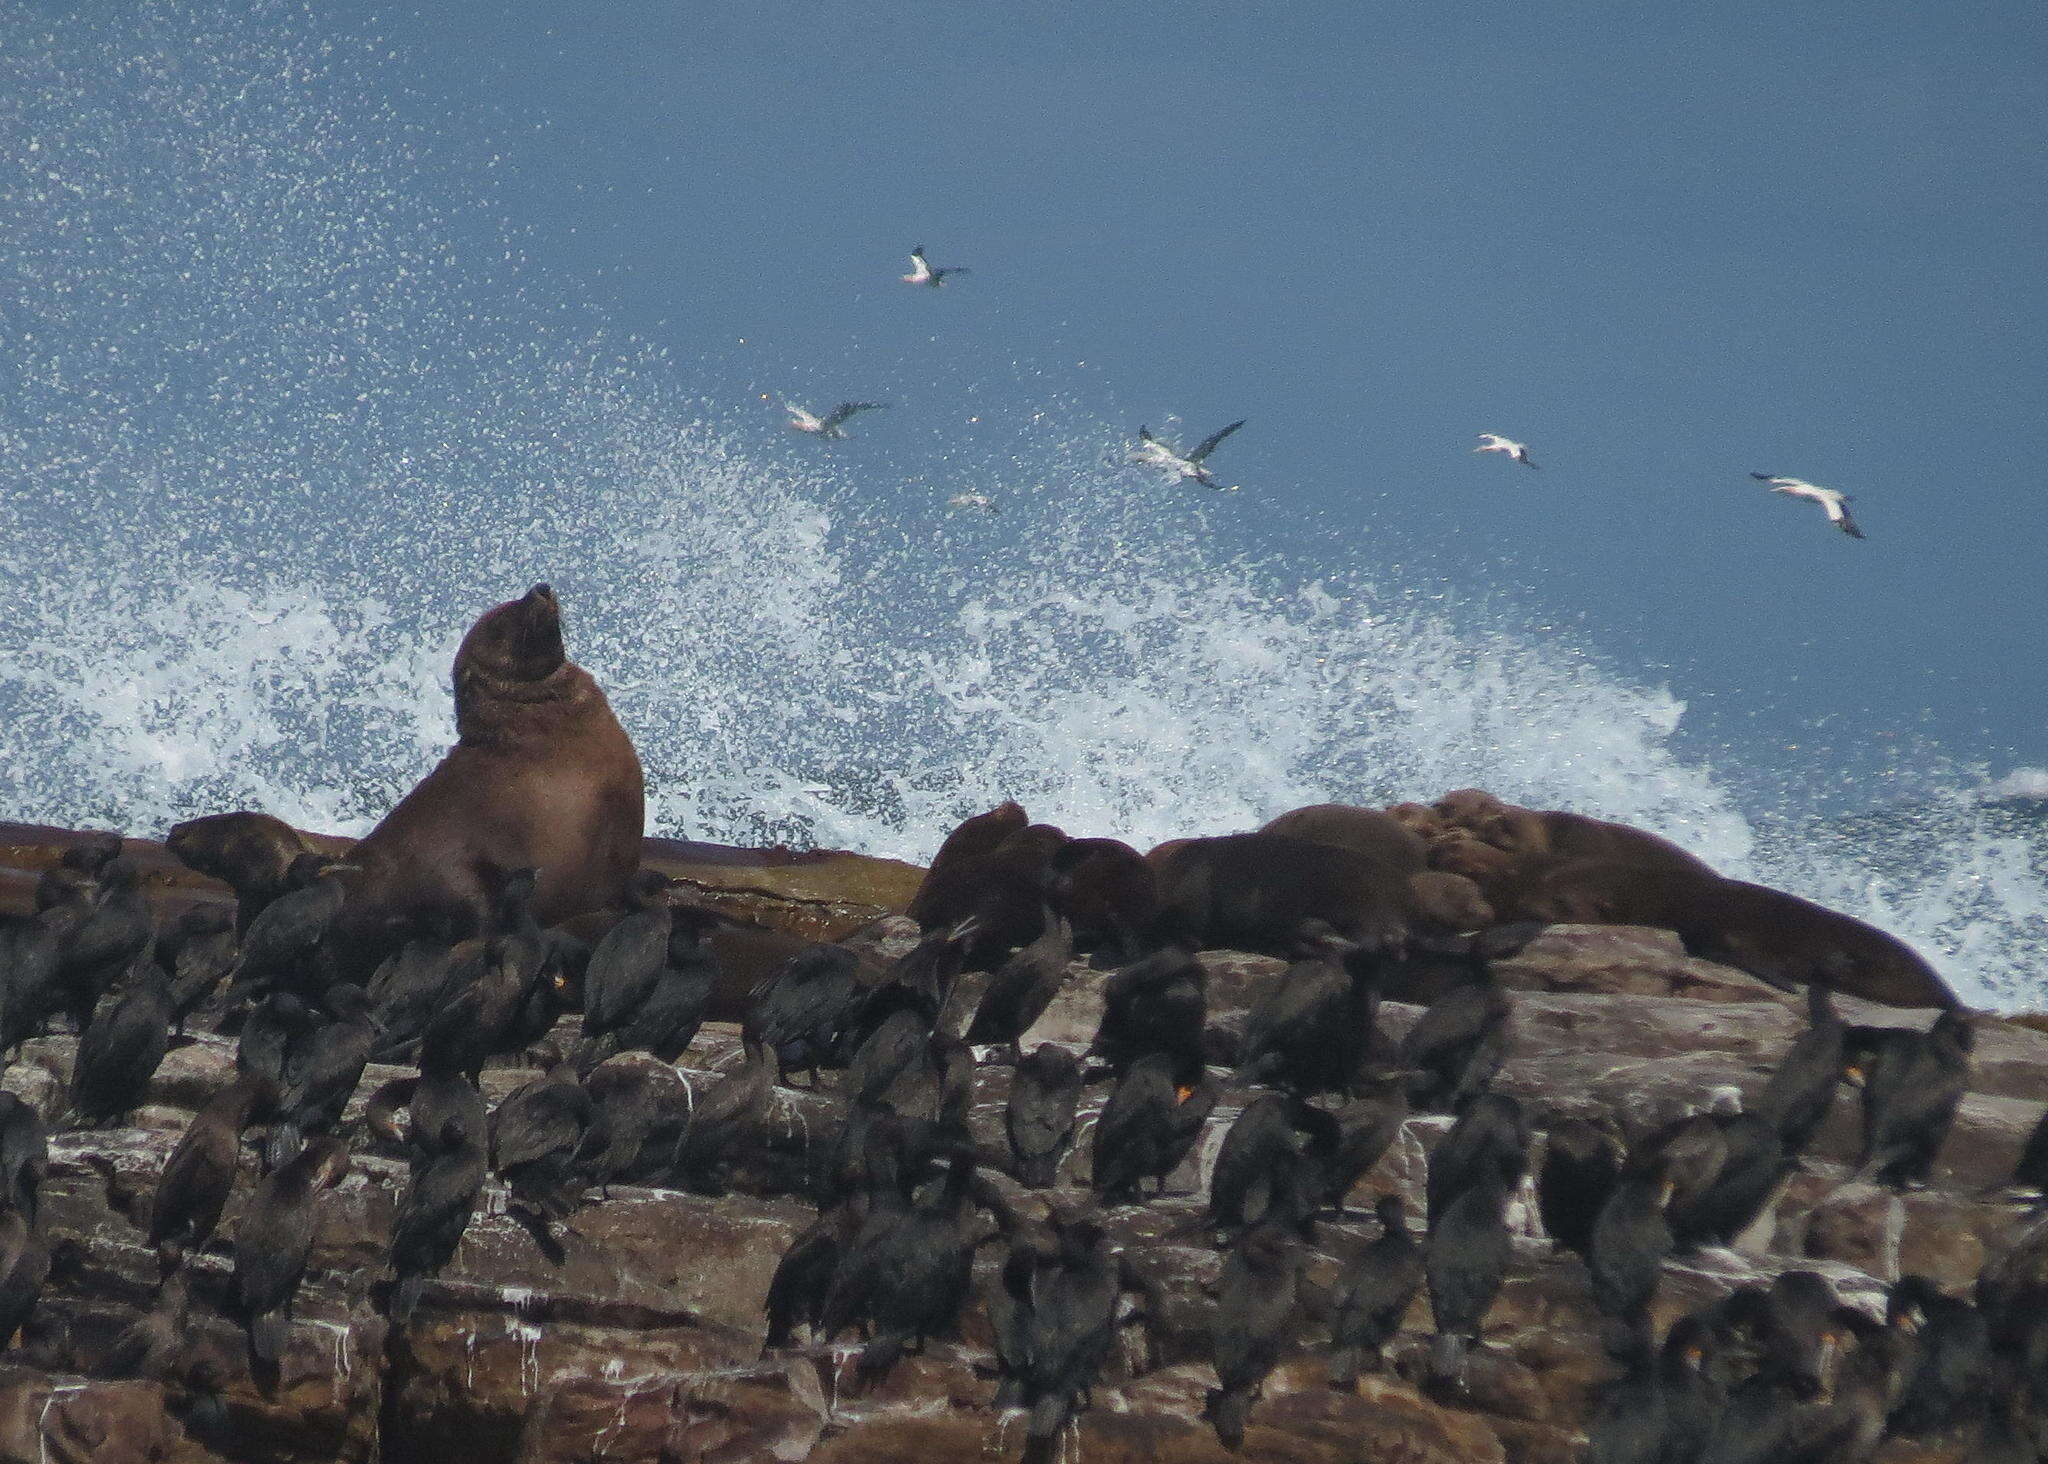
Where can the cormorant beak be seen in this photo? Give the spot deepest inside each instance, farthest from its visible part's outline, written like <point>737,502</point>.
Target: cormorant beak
<point>964,928</point>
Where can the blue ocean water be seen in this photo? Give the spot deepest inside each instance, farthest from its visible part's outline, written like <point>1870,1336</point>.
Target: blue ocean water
<point>281,409</point>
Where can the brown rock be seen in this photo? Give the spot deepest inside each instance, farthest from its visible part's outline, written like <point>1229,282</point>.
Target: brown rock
<point>644,1341</point>
<point>1860,1226</point>
<point>71,1420</point>
<point>1624,960</point>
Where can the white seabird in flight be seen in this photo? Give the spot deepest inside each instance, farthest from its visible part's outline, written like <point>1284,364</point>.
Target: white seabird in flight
<point>829,424</point>
<point>1155,454</point>
<point>1494,442</point>
<point>973,500</point>
<point>1831,500</point>
<point>922,273</point>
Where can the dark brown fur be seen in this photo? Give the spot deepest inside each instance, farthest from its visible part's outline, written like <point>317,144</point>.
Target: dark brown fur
<point>1106,890</point>
<point>249,852</point>
<point>1497,873</point>
<point>1005,890</point>
<point>1253,891</point>
<point>1508,826</point>
<point>1444,903</point>
<point>1574,836</point>
<point>1367,830</point>
<point>974,839</point>
<point>541,776</point>
<point>1159,854</point>
<point>1417,818</point>
<point>1777,937</point>
<point>1509,851</point>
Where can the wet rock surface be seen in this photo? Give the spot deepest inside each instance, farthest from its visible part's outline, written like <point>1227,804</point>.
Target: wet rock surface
<point>642,1340</point>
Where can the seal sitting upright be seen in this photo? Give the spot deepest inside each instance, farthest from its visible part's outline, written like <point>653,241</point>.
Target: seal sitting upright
<point>541,776</point>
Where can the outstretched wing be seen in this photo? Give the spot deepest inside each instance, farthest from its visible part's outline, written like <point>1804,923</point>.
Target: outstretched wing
<point>1208,444</point>
<point>1838,510</point>
<point>846,409</point>
<point>1769,478</point>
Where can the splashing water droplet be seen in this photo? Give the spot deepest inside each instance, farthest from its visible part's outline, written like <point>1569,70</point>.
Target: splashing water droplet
<point>245,540</point>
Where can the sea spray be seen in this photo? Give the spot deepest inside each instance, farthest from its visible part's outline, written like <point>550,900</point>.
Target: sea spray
<point>281,410</point>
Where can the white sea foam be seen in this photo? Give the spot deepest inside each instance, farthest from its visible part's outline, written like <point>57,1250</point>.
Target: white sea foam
<point>269,447</point>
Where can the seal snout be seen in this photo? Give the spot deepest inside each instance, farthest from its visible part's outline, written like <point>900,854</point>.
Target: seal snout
<point>542,591</point>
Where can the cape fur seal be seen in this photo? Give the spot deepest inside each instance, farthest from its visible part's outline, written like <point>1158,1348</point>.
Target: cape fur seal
<point>938,897</point>
<point>251,853</point>
<point>1774,936</point>
<point>1108,891</point>
<point>541,776</point>
<point>1575,836</point>
<point>1252,892</point>
<point>999,875</point>
<point>1531,833</point>
<point>1368,830</point>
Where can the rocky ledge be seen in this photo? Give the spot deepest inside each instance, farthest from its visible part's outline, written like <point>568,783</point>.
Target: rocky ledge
<point>643,1340</point>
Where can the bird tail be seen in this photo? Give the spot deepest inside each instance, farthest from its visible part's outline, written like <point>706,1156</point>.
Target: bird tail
<point>405,1295</point>
<point>1447,1357</point>
<point>593,1050</point>
<point>1042,1435</point>
<point>876,1360</point>
<point>1227,1409</point>
<point>395,1048</point>
<point>281,1145</point>
<point>1344,1368</point>
<point>266,1341</point>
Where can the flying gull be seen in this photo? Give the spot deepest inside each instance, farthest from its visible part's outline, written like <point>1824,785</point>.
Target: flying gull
<point>922,273</point>
<point>973,500</point>
<point>1155,454</point>
<point>1494,442</point>
<point>1831,500</point>
<point>829,424</point>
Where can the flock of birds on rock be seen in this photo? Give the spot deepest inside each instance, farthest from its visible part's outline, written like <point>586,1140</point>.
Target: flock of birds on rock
<point>1192,467</point>
<point>905,1193</point>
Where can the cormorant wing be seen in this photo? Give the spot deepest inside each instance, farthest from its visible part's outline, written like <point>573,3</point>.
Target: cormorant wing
<point>1208,444</point>
<point>846,409</point>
